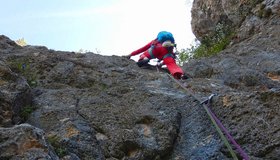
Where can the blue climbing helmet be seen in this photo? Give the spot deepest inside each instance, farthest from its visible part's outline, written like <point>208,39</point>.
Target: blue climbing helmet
<point>165,36</point>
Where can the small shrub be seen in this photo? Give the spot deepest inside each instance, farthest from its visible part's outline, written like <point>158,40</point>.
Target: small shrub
<point>210,45</point>
<point>26,111</point>
<point>21,42</point>
<point>253,3</point>
<point>184,55</point>
<point>23,67</point>
<point>59,150</point>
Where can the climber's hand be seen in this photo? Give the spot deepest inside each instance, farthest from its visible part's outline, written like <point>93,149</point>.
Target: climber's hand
<point>127,56</point>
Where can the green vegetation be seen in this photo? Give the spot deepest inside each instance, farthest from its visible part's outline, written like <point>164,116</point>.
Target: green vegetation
<point>255,2</point>
<point>209,45</point>
<point>264,12</point>
<point>103,86</point>
<point>59,150</point>
<point>29,75</point>
<point>26,111</point>
<point>217,41</point>
<point>23,67</point>
<point>185,54</point>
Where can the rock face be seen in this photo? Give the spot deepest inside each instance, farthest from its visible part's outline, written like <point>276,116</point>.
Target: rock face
<point>70,106</point>
<point>24,142</point>
<point>89,106</point>
<point>249,67</point>
<point>15,91</point>
<point>244,17</point>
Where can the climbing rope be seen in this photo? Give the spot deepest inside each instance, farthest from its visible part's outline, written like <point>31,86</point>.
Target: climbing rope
<point>217,123</point>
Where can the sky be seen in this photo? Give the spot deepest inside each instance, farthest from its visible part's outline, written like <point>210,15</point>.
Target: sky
<point>107,27</point>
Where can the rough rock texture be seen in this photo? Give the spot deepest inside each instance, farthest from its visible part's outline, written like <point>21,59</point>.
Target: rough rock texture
<point>248,71</point>
<point>88,106</point>
<point>24,142</point>
<point>14,89</point>
<point>244,17</point>
<point>96,107</point>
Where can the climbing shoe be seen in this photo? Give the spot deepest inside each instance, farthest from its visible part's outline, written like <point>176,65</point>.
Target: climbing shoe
<point>183,76</point>
<point>142,62</point>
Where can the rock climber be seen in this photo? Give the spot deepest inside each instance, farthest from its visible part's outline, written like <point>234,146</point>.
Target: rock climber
<point>162,49</point>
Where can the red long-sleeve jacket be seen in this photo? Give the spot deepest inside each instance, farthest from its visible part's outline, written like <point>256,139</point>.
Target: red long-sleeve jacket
<point>160,52</point>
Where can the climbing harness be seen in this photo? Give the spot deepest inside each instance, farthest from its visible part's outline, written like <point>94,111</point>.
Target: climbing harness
<point>217,123</point>
<point>170,54</point>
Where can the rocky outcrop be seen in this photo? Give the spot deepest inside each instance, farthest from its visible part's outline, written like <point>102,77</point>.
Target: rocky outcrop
<point>15,95</point>
<point>243,17</point>
<point>89,106</point>
<point>24,142</point>
<point>92,106</point>
<point>249,67</point>
<point>71,106</point>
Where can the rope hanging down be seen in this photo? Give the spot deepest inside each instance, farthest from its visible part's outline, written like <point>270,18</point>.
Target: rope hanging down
<point>237,146</point>
<point>217,123</point>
